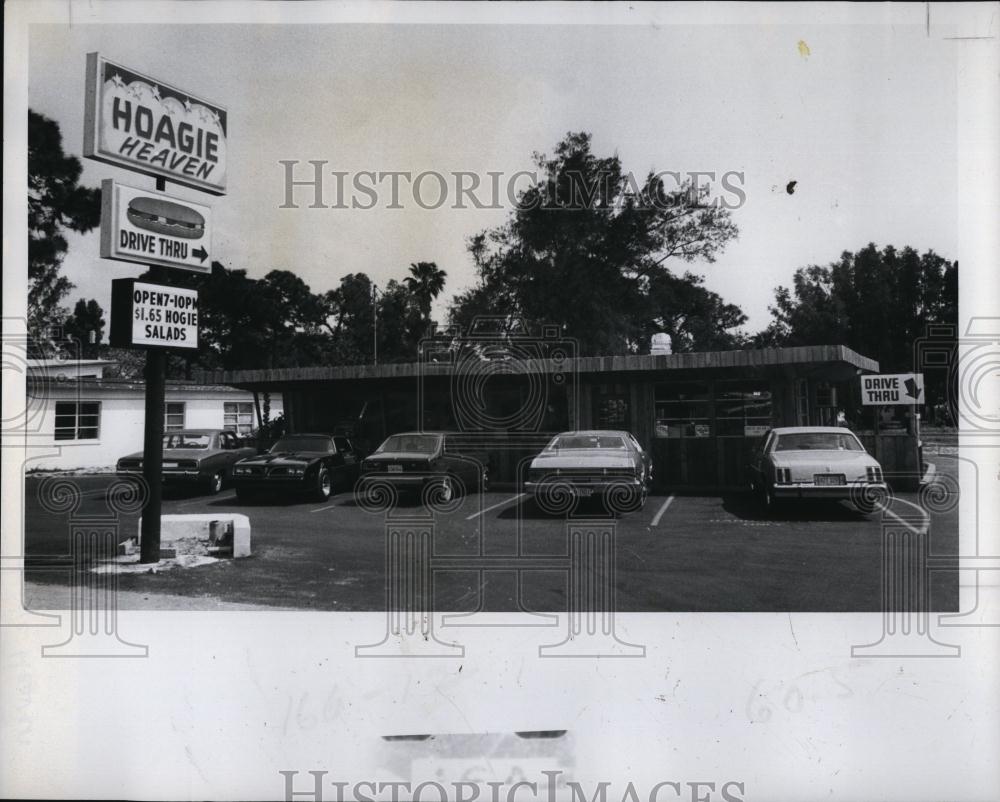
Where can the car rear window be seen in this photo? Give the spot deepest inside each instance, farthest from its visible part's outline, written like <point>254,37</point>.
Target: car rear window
<point>818,441</point>
<point>573,441</point>
<point>187,440</point>
<point>299,443</point>
<point>410,444</point>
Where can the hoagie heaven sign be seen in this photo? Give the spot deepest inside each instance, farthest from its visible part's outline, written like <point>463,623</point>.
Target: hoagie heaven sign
<point>139,123</point>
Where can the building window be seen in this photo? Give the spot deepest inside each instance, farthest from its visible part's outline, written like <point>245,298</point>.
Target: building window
<point>78,420</point>
<point>742,408</point>
<point>238,417</point>
<point>173,417</point>
<point>683,410</point>
<point>612,412</point>
<point>826,404</point>
<point>802,401</point>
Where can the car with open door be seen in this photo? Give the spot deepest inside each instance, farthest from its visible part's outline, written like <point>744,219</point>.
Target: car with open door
<point>201,458</point>
<point>307,465</point>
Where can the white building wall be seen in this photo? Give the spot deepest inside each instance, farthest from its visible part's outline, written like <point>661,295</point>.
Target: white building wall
<point>121,423</point>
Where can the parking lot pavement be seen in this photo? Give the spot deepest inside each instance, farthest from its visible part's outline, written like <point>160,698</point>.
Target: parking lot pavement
<point>499,551</point>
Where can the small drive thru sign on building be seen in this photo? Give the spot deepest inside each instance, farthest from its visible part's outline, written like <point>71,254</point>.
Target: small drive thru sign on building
<point>152,228</point>
<point>890,389</point>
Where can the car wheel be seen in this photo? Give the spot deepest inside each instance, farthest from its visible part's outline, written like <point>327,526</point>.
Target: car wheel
<point>446,489</point>
<point>215,482</point>
<point>323,485</point>
<point>767,499</point>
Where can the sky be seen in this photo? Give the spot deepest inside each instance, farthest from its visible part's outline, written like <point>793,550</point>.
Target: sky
<point>862,118</point>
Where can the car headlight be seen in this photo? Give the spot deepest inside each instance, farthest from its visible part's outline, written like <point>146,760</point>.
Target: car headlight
<point>296,471</point>
<point>241,471</point>
<point>874,473</point>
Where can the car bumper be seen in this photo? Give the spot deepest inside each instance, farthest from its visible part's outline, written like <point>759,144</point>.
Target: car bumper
<point>810,490</point>
<point>286,484</point>
<point>400,481</point>
<point>169,476</point>
<point>596,488</point>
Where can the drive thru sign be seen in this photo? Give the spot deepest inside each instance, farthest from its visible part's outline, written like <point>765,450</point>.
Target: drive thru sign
<point>890,389</point>
<point>139,225</point>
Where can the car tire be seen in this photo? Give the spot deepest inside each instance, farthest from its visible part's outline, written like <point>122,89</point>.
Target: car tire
<point>767,500</point>
<point>324,485</point>
<point>446,489</point>
<point>215,482</point>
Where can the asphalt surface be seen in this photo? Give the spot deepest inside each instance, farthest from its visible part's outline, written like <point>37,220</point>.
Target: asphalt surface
<point>682,553</point>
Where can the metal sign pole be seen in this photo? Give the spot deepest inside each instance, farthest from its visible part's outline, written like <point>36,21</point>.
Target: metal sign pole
<point>152,444</point>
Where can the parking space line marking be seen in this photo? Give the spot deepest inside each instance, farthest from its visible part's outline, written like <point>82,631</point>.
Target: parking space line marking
<point>663,509</point>
<point>328,506</point>
<point>921,510</point>
<point>511,500</point>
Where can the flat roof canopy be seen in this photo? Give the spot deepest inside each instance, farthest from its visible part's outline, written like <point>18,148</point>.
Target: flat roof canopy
<point>808,356</point>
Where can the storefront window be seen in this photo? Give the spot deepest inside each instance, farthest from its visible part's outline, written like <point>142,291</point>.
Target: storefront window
<point>742,409</point>
<point>683,410</point>
<point>612,412</point>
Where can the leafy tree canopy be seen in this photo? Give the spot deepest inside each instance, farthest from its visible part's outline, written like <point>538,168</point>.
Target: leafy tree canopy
<point>56,202</point>
<point>586,249</point>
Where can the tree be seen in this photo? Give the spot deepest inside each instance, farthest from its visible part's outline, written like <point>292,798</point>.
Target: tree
<point>877,302</point>
<point>87,317</point>
<point>56,202</point>
<point>586,248</point>
<point>425,283</point>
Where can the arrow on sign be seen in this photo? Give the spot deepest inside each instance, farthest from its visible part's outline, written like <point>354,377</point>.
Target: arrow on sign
<point>912,389</point>
<point>201,253</point>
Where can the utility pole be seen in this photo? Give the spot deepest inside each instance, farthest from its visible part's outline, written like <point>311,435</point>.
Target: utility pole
<point>374,324</point>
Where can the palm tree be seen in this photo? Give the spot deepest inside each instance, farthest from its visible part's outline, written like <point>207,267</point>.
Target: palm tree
<point>426,280</point>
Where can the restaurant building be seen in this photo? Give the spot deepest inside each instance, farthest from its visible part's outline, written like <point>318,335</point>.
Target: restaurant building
<point>698,414</point>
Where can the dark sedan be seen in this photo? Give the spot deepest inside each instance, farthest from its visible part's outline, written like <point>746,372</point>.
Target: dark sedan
<point>202,457</point>
<point>298,464</point>
<point>419,461</point>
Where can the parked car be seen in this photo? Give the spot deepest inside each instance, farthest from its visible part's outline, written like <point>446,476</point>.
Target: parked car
<point>593,463</point>
<point>195,457</point>
<point>817,462</point>
<point>302,464</point>
<point>412,461</point>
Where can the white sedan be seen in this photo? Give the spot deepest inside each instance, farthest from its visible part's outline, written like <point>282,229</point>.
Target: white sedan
<point>817,462</point>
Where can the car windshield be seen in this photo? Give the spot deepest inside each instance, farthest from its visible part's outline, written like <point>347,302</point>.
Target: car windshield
<point>411,444</point>
<point>180,440</point>
<point>574,441</point>
<point>301,443</point>
<point>818,441</point>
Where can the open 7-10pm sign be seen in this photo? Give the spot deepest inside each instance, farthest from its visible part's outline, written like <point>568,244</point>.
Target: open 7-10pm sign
<point>153,315</point>
<point>891,389</point>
